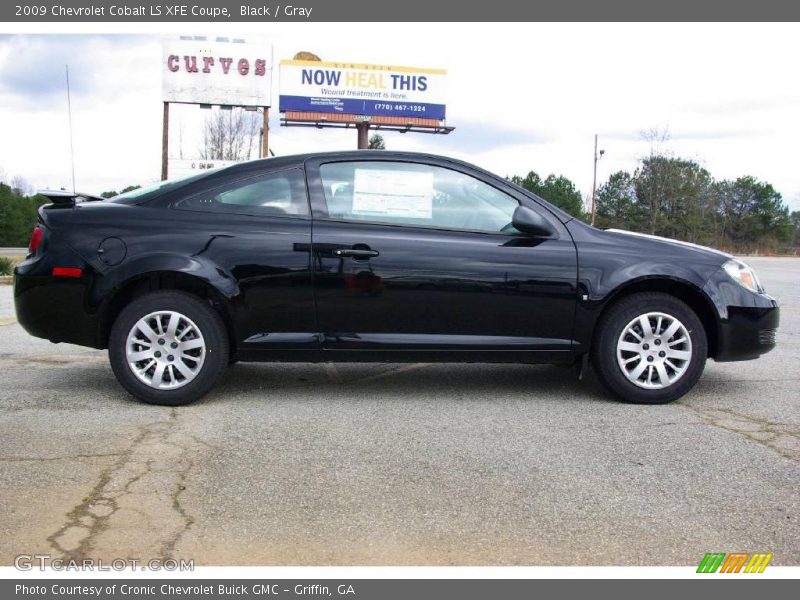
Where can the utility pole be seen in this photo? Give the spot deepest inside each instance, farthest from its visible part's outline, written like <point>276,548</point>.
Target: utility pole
<point>597,156</point>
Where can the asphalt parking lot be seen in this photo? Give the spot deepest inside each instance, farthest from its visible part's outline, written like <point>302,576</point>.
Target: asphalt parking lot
<point>400,464</point>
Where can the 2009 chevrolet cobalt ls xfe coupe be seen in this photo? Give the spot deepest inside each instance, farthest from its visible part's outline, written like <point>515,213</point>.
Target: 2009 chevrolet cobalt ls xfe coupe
<point>376,256</point>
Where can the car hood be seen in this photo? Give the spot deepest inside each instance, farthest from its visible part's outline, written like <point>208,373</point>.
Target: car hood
<point>698,249</point>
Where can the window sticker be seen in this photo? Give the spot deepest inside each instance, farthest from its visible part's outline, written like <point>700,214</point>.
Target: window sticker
<point>388,193</point>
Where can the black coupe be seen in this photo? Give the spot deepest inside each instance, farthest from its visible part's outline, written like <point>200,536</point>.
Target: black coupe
<point>376,256</point>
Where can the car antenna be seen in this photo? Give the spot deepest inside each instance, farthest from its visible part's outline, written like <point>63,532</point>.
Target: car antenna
<point>69,116</point>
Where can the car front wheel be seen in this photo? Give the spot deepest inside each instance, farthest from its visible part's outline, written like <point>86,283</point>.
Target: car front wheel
<point>168,348</point>
<point>649,348</point>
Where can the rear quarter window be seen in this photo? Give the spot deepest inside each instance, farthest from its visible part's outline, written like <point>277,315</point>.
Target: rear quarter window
<point>148,192</point>
<point>277,194</point>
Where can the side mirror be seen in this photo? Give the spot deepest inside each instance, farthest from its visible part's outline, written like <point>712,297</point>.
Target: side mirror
<point>529,221</point>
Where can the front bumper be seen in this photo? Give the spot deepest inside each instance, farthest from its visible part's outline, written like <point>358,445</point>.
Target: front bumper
<point>747,333</point>
<point>747,323</point>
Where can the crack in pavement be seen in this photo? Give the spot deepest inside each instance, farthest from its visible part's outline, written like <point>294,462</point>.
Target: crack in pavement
<point>782,438</point>
<point>50,458</point>
<point>134,510</point>
<point>336,377</point>
<point>15,360</point>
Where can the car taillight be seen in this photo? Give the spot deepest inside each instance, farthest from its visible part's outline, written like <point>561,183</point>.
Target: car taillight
<point>67,272</point>
<point>36,239</point>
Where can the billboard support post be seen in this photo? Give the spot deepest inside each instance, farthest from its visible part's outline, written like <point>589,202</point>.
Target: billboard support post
<point>265,136</point>
<point>165,143</point>
<point>363,135</point>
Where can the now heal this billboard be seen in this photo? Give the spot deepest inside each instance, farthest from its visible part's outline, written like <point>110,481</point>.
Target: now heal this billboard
<point>360,89</point>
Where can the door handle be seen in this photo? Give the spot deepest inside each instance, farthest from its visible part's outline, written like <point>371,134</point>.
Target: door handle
<point>356,253</point>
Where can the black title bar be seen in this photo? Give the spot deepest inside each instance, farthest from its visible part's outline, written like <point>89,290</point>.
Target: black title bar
<point>704,586</point>
<point>405,10</point>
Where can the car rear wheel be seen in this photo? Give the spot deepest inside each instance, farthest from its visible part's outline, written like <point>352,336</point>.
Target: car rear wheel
<point>168,348</point>
<point>649,348</point>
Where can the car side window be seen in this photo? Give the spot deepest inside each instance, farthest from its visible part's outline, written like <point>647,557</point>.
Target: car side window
<point>399,193</point>
<point>279,194</point>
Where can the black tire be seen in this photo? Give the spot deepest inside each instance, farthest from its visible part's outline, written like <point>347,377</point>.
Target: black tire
<point>609,330</point>
<point>206,320</point>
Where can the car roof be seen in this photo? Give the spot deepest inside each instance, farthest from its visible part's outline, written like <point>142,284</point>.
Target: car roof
<point>298,159</point>
<point>278,162</point>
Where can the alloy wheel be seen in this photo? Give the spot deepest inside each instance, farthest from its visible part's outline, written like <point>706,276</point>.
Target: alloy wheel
<point>165,350</point>
<point>654,350</point>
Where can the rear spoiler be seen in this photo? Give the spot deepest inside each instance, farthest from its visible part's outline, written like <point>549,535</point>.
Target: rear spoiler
<point>62,197</point>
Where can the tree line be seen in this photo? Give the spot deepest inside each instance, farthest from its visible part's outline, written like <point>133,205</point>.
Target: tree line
<point>678,198</point>
<point>18,209</point>
<point>665,195</point>
<point>17,215</point>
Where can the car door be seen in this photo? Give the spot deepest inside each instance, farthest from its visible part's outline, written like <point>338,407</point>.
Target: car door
<point>256,231</point>
<point>421,255</point>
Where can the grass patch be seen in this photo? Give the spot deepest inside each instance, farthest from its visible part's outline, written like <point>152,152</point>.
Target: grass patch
<point>6,265</point>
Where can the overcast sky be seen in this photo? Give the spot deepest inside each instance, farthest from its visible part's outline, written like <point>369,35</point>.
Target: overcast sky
<point>522,97</point>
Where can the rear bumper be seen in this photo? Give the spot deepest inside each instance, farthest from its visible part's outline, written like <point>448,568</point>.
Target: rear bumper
<point>55,308</point>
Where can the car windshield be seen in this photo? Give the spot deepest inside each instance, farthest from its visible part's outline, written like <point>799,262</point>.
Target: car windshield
<point>142,194</point>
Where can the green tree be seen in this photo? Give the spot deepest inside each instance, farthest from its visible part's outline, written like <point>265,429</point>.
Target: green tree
<point>531,182</point>
<point>112,193</point>
<point>794,221</point>
<point>376,142</point>
<point>677,198</point>
<point>676,194</point>
<point>752,213</point>
<point>557,190</point>
<point>617,205</point>
<point>17,216</point>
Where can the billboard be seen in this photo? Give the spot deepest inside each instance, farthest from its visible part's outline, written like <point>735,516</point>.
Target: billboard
<point>358,89</point>
<point>200,71</point>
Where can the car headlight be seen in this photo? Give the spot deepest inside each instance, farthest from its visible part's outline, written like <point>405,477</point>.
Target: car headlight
<point>743,274</point>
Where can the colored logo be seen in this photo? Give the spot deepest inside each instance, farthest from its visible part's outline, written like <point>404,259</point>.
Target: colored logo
<point>734,562</point>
